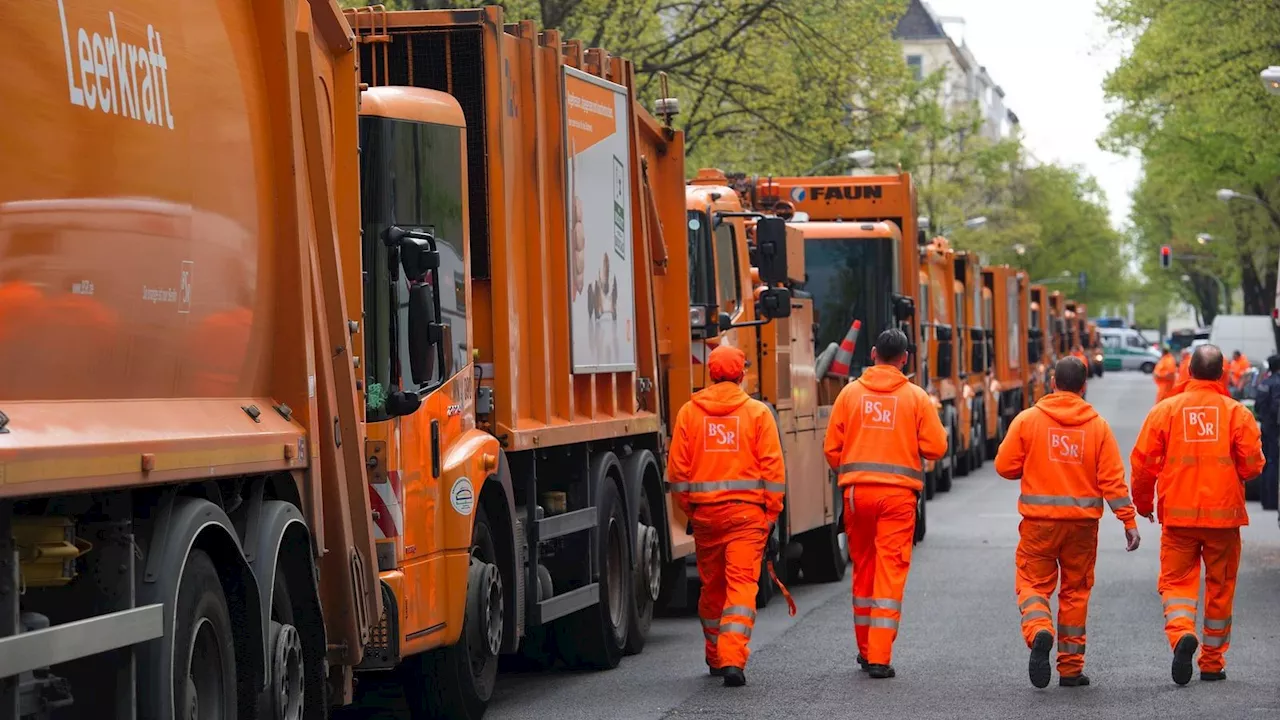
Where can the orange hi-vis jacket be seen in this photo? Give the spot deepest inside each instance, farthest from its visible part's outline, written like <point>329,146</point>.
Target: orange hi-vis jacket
<point>880,426</point>
<point>1165,374</point>
<point>1184,370</point>
<point>1068,461</point>
<point>1194,452</point>
<point>1238,367</point>
<point>725,447</point>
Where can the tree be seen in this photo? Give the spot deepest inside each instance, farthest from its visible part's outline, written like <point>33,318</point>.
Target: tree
<point>774,86</point>
<point>1192,108</point>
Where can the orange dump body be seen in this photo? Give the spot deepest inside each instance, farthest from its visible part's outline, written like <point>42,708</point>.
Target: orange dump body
<point>1010,295</point>
<point>978,418</point>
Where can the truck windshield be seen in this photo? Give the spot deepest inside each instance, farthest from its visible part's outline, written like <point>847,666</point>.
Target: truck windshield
<point>411,176</point>
<point>850,280</point>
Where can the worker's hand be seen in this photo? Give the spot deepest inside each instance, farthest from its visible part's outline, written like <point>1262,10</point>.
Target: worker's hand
<point>771,545</point>
<point>1151,516</point>
<point>688,528</point>
<point>1132,539</point>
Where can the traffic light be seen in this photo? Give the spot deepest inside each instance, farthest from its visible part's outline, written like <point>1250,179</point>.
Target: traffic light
<point>1166,256</point>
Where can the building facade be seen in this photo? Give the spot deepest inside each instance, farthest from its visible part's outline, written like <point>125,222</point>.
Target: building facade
<point>927,48</point>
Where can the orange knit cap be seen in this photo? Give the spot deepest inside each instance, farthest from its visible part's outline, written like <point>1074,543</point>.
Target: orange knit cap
<point>726,363</point>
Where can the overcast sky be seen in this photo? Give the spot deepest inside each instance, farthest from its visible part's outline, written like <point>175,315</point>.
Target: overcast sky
<point>1051,58</point>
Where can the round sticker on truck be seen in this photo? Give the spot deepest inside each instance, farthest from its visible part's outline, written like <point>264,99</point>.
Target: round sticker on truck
<point>462,496</point>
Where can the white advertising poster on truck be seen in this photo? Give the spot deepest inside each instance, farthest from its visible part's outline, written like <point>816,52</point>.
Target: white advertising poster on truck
<point>601,294</point>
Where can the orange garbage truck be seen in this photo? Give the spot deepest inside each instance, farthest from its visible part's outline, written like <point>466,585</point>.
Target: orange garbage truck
<point>973,335</point>
<point>1010,383</point>
<point>861,264</point>
<point>938,276</point>
<point>732,251</point>
<point>373,356</point>
<point>1040,343</point>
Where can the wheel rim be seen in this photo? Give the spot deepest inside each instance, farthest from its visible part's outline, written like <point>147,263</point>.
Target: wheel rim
<point>616,561</point>
<point>206,687</point>
<point>493,611</point>
<point>650,560</point>
<point>287,672</point>
<point>484,615</point>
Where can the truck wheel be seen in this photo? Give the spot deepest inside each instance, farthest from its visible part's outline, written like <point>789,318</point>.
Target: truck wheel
<point>204,673</point>
<point>647,581</point>
<point>979,445</point>
<point>596,637</point>
<point>921,516</point>
<point>823,560</point>
<point>457,681</point>
<point>945,474</point>
<point>964,458</point>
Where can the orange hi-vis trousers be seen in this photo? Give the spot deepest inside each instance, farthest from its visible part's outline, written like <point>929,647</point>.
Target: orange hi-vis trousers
<point>1181,551</point>
<point>1050,551</point>
<point>880,522</point>
<point>730,539</point>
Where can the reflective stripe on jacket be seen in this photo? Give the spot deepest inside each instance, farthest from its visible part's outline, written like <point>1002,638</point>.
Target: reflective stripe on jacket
<point>880,426</point>
<point>1068,461</point>
<point>1194,453</point>
<point>724,447</point>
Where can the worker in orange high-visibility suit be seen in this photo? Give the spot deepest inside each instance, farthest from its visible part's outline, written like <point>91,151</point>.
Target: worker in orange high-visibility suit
<point>1077,352</point>
<point>880,427</point>
<point>1184,376</point>
<point>726,473</point>
<point>1236,370</point>
<point>1165,374</point>
<point>1195,451</point>
<point>1069,464</point>
<point>1184,367</point>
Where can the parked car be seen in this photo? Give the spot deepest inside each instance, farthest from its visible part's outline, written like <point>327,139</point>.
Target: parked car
<point>1127,349</point>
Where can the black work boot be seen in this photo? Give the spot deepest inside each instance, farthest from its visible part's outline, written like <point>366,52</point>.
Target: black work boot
<point>734,677</point>
<point>1206,676</point>
<point>1183,653</point>
<point>881,672</point>
<point>862,663</point>
<point>1038,665</point>
<point>715,671</point>
<point>1073,680</point>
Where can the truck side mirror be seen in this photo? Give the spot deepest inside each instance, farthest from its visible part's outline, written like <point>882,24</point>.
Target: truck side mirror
<point>424,333</point>
<point>771,250</point>
<point>775,303</point>
<point>724,322</point>
<point>904,308</point>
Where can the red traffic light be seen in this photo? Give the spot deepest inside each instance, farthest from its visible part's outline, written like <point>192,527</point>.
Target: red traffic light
<point>1166,256</point>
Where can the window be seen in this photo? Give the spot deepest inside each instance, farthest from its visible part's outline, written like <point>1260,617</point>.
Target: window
<point>851,280</point>
<point>411,177</point>
<point>1111,342</point>
<point>727,268</point>
<point>1134,341</point>
<point>915,63</point>
<point>701,261</point>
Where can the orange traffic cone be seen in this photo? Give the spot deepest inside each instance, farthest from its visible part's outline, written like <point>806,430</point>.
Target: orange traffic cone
<point>844,356</point>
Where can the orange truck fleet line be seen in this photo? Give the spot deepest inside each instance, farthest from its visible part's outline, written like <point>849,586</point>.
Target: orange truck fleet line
<point>344,346</point>
<point>363,365</point>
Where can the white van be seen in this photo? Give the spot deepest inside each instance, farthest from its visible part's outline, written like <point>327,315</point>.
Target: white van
<point>1253,335</point>
<point>1127,349</point>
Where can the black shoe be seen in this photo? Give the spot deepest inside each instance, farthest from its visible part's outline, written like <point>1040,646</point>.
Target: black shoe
<point>1073,680</point>
<point>715,671</point>
<point>1038,666</point>
<point>881,672</point>
<point>1213,676</point>
<point>1183,653</point>
<point>734,677</point>
<point>862,663</point>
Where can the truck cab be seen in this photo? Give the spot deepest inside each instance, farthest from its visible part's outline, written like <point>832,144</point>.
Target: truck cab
<point>1010,383</point>
<point>941,331</point>
<point>1039,342</point>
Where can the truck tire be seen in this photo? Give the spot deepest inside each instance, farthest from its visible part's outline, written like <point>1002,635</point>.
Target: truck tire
<point>1148,367</point>
<point>204,672</point>
<point>945,474</point>
<point>457,681</point>
<point>595,638</point>
<point>648,572</point>
<point>964,457</point>
<point>823,560</point>
<point>921,517</point>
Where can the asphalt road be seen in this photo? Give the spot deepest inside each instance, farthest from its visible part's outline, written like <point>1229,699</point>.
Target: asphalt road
<point>959,653</point>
